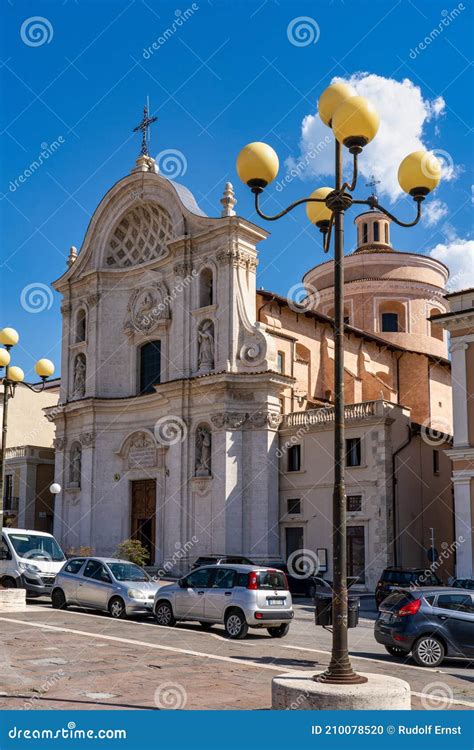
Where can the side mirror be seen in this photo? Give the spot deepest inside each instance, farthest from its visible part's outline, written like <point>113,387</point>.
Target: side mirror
<point>182,583</point>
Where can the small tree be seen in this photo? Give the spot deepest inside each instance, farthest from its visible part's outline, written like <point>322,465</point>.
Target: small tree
<point>132,550</point>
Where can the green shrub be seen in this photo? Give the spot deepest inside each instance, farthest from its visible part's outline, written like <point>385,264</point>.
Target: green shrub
<point>132,550</point>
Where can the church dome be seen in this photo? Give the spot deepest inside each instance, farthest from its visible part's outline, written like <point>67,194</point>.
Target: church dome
<point>389,293</point>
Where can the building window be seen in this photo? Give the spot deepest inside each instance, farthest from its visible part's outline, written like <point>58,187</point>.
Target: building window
<point>376,232</point>
<point>206,288</point>
<point>364,234</point>
<point>294,458</point>
<point>150,366</point>
<point>390,322</point>
<point>435,462</point>
<point>281,362</point>
<point>294,506</point>
<point>346,320</point>
<point>353,452</point>
<point>354,503</point>
<point>81,326</point>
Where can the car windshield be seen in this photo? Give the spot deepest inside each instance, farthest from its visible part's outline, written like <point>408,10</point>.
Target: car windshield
<point>271,579</point>
<point>396,601</point>
<point>128,572</point>
<point>37,547</point>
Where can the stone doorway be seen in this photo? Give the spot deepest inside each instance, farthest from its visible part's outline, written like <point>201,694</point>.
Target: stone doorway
<point>143,515</point>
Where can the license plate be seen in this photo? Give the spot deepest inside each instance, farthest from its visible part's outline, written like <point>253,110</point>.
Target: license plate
<point>386,617</point>
<point>276,602</point>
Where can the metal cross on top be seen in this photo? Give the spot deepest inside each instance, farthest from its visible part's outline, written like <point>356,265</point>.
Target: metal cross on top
<point>144,125</point>
<point>372,183</point>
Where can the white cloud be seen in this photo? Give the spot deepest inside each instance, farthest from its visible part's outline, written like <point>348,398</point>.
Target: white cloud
<point>433,212</point>
<point>403,116</point>
<point>458,255</point>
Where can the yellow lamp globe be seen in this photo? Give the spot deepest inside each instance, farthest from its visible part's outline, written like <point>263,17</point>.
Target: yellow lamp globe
<point>318,213</point>
<point>355,122</point>
<point>44,368</point>
<point>419,173</point>
<point>9,337</point>
<point>257,165</point>
<point>332,98</point>
<point>16,374</point>
<point>4,358</point>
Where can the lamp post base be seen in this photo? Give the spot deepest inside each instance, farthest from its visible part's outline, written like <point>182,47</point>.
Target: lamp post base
<point>300,691</point>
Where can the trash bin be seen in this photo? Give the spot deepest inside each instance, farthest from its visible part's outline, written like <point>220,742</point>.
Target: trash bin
<point>323,610</point>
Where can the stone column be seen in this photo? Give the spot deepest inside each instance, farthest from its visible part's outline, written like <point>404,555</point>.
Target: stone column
<point>463,526</point>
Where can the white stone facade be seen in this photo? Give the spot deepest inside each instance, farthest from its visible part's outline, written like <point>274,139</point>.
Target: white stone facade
<point>146,265</point>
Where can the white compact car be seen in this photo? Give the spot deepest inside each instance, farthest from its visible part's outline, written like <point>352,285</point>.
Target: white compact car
<point>239,596</point>
<point>30,560</point>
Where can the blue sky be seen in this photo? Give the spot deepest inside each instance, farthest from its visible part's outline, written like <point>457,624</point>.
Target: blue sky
<point>228,73</point>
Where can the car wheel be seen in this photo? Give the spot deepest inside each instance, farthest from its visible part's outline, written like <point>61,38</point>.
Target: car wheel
<point>9,583</point>
<point>428,651</point>
<point>58,600</point>
<point>164,614</point>
<point>117,608</point>
<point>280,631</point>
<point>235,624</point>
<point>395,651</point>
<point>206,625</point>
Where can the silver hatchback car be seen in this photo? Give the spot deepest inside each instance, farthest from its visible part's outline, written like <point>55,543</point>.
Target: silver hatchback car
<point>239,596</point>
<point>119,586</point>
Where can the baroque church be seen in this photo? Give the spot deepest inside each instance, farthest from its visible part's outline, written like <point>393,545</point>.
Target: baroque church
<point>195,412</point>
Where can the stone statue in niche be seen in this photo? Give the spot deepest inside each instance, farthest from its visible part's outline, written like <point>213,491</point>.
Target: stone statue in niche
<point>203,452</point>
<point>79,386</point>
<point>206,346</point>
<point>145,311</point>
<point>75,466</point>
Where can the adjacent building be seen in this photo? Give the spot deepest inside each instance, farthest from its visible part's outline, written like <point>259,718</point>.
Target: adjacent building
<point>29,465</point>
<point>459,321</point>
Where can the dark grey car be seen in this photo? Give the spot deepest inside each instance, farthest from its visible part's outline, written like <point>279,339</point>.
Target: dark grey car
<point>430,623</point>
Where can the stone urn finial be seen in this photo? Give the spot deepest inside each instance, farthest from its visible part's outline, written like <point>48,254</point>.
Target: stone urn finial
<point>72,257</point>
<point>228,200</point>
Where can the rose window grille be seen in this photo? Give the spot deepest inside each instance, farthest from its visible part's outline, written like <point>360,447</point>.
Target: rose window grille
<point>140,236</point>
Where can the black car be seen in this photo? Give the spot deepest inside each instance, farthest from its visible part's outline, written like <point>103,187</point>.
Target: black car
<point>393,578</point>
<point>221,560</point>
<point>463,583</point>
<point>429,623</point>
<point>309,585</point>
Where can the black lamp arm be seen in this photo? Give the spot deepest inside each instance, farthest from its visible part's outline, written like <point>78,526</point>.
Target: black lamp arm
<point>355,174</point>
<point>373,203</point>
<point>286,210</point>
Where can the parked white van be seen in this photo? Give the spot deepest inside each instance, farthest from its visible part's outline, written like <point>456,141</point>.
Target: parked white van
<point>30,560</point>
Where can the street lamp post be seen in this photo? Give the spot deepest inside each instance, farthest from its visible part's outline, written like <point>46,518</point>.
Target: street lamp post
<point>13,377</point>
<point>355,123</point>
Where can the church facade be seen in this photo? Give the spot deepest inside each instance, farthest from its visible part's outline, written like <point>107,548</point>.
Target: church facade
<point>180,382</point>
